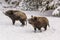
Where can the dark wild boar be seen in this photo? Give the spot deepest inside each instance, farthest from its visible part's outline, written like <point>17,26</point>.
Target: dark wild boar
<point>16,15</point>
<point>38,22</point>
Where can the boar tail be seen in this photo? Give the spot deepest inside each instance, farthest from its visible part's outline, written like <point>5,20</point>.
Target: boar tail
<point>48,25</point>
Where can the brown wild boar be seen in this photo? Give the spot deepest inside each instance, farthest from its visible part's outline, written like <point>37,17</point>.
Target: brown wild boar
<point>38,22</point>
<point>16,15</point>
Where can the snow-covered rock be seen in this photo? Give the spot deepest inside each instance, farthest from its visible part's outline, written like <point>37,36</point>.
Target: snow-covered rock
<point>56,12</point>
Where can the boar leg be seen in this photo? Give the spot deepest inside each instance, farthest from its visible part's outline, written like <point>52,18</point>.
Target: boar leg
<point>13,22</point>
<point>34,29</point>
<point>23,23</point>
<point>40,29</point>
<point>45,27</point>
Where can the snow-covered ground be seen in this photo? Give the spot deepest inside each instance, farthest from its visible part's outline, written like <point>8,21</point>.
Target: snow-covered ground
<point>17,32</point>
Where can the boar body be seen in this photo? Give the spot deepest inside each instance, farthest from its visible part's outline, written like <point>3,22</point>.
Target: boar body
<point>16,15</point>
<point>39,22</point>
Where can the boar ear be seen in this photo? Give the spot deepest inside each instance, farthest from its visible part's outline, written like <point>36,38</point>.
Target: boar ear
<point>31,15</point>
<point>35,18</point>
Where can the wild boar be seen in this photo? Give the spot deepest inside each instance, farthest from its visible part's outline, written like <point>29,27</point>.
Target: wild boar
<point>16,15</point>
<point>38,22</point>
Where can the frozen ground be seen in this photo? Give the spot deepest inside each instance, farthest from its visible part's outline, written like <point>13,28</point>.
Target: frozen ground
<point>16,32</point>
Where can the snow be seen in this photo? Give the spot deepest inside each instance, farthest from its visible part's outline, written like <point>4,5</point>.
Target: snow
<point>18,32</point>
